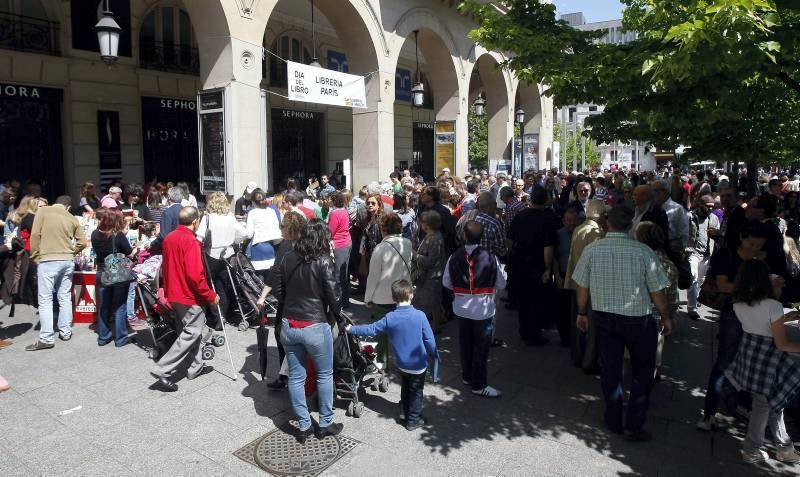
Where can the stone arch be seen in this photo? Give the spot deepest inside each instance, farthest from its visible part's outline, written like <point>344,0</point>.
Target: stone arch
<point>496,86</point>
<point>424,19</point>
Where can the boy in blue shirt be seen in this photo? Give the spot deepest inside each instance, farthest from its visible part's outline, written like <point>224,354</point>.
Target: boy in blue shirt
<point>412,339</point>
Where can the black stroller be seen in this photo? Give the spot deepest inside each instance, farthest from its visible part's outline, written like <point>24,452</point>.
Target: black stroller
<point>164,326</point>
<point>354,368</point>
<point>247,285</point>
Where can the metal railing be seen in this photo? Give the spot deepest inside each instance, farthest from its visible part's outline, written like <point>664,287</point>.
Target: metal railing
<point>34,35</point>
<point>157,55</point>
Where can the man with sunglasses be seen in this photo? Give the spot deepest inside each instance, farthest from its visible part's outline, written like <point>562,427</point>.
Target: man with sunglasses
<point>583,192</point>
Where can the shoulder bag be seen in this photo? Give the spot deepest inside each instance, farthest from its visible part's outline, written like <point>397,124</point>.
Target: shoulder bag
<point>712,297</point>
<point>118,267</point>
<point>408,269</point>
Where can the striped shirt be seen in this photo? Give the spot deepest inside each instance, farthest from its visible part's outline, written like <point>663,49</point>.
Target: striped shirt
<point>620,274</point>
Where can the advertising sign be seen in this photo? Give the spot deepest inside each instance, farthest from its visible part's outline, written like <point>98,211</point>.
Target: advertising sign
<point>322,86</point>
<point>212,141</point>
<point>402,85</point>
<point>108,143</point>
<point>445,146</point>
<point>530,152</point>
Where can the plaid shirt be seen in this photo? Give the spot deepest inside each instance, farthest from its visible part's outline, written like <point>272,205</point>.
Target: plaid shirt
<point>761,368</point>
<point>620,274</point>
<point>494,235</point>
<point>511,210</point>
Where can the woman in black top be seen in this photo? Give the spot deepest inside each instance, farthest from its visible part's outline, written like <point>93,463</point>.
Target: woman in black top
<point>292,224</point>
<point>134,200</point>
<point>108,238</point>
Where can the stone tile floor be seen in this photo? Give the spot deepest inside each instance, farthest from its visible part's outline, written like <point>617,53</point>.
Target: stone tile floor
<point>82,410</point>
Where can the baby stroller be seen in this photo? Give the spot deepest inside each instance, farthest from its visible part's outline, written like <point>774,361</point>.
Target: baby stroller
<point>354,368</point>
<point>162,322</point>
<point>247,286</point>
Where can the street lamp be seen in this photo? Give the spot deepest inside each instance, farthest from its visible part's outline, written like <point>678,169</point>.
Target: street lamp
<point>418,90</point>
<point>480,105</point>
<point>108,32</point>
<point>519,115</point>
<point>314,60</point>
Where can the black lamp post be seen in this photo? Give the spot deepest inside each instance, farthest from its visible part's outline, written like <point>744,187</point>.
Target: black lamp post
<point>418,90</point>
<point>108,32</point>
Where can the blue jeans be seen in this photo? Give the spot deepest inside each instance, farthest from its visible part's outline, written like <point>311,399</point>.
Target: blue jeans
<point>474,339</point>
<point>729,333</point>
<point>130,305</point>
<point>111,305</point>
<point>55,277</point>
<point>640,335</point>
<point>411,396</point>
<point>317,341</point>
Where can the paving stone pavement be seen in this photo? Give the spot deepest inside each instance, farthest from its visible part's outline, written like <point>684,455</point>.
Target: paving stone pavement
<point>83,410</point>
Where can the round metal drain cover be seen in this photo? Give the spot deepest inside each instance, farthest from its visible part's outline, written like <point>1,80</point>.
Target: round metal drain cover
<point>279,453</point>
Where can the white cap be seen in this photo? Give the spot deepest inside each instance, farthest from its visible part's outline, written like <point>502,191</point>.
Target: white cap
<point>446,169</point>
<point>251,186</point>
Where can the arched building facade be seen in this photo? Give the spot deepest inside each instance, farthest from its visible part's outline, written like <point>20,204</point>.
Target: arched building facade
<point>137,121</point>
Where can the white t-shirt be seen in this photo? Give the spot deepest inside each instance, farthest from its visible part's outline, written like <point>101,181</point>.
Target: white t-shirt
<point>758,318</point>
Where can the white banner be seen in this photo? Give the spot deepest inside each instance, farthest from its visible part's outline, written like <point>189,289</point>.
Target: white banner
<point>319,85</point>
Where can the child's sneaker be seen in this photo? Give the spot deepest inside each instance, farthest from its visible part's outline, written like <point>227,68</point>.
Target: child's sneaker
<point>787,455</point>
<point>488,392</point>
<point>754,457</point>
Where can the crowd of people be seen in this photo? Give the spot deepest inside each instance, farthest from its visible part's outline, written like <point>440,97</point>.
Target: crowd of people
<point>598,256</point>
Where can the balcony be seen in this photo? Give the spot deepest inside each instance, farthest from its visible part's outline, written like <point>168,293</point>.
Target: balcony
<point>156,55</point>
<point>33,35</point>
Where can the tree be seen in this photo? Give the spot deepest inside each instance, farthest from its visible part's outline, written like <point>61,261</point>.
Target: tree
<point>592,153</point>
<point>718,76</point>
<point>478,141</point>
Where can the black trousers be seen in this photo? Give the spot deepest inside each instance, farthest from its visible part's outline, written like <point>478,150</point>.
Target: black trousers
<point>532,301</point>
<point>218,273</point>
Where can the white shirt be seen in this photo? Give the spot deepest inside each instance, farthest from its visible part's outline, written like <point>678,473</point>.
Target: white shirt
<point>474,307</point>
<point>225,231</point>
<point>678,221</point>
<point>386,267</point>
<point>191,201</point>
<point>758,318</point>
<point>263,225</point>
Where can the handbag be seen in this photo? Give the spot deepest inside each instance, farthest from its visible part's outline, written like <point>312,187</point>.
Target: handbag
<point>207,238</point>
<point>118,267</point>
<point>712,297</point>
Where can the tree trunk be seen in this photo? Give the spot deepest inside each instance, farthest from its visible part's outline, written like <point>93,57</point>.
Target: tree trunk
<point>752,175</point>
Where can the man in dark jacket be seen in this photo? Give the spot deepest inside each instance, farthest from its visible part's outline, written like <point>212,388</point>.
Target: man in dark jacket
<point>186,288</point>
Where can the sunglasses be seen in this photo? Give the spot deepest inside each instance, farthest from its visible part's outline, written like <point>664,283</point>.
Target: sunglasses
<point>372,202</point>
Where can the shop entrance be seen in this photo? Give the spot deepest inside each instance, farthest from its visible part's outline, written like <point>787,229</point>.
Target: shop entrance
<point>296,146</point>
<point>30,136</point>
<point>169,140</point>
<point>424,150</point>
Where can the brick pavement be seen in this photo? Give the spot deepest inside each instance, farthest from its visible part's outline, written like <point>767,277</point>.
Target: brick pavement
<point>81,410</point>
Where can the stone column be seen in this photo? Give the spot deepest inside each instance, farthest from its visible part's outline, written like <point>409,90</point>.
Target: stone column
<point>373,132</point>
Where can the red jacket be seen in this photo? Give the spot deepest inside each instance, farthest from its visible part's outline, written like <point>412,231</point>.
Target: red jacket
<point>182,268</point>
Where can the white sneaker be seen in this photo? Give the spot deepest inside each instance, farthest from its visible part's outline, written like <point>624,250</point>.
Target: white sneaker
<point>706,423</point>
<point>754,457</point>
<point>787,455</point>
<point>488,391</point>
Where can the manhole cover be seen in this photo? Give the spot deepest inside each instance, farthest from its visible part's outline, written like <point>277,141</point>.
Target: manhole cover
<point>279,453</point>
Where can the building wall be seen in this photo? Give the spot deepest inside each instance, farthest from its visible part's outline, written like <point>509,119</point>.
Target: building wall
<point>228,38</point>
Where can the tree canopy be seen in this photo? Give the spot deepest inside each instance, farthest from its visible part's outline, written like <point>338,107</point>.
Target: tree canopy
<point>721,77</point>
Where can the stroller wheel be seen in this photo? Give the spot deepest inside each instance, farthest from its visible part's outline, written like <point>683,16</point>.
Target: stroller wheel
<point>218,340</point>
<point>358,409</point>
<point>383,386</point>
<point>350,409</point>
<point>374,385</point>
<point>154,354</point>
<point>244,325</point>
<point>208,353</point>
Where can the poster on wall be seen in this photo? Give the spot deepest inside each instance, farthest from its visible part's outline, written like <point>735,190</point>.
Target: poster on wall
<point>310,84</point>
<point>499,165</point>
<point>108,145</point>
<point>530,152</point>
<point>445,146</point>
<point>212,141</point>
